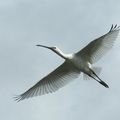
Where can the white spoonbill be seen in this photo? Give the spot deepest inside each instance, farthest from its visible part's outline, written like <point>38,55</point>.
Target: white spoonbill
<point>73,65</point>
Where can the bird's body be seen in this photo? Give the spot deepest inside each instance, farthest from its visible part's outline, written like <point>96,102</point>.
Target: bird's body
<point>80,64</point>
<point>73,65</point>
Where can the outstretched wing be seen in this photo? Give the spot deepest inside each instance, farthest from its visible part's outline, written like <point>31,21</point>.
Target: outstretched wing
<point>97,48</point>
<point>52,82</point>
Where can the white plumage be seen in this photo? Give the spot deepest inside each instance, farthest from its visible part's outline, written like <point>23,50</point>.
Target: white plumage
<point>74,64</point>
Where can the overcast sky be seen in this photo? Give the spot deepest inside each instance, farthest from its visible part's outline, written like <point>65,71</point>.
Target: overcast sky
<point>70,25</point>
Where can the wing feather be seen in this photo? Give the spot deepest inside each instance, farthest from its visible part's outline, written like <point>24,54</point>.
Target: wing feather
<point>51,83</point>
<point>100,46</point>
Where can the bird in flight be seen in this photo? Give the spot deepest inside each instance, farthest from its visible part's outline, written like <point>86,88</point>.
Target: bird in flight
<point>73,65</point>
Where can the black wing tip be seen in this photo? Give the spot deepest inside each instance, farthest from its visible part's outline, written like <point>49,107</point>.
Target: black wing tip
<point>114,27</point>
<point>17,98</point>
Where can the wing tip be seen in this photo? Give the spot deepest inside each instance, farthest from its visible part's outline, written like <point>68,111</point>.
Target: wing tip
<point>114,27</point>
<point>17,98</point>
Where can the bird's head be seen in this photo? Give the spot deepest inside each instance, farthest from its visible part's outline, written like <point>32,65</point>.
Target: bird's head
<point>54,48</point>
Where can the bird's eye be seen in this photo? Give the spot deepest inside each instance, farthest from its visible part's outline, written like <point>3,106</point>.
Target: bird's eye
<point>54,47</point>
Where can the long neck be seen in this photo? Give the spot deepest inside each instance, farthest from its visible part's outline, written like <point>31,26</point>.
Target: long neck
<point>61,54</point>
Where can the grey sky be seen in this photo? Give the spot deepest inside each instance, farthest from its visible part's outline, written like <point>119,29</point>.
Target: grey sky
<point>70,25</point>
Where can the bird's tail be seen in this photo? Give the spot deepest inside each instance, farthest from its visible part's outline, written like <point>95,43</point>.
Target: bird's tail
<point>98,80</point>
